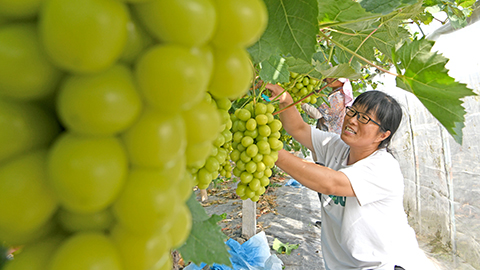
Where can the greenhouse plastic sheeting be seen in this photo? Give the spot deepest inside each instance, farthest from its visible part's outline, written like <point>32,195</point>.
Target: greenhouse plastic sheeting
<point>442,178</point>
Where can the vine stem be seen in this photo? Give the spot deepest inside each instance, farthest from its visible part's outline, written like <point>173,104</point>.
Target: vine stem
<point>357,55</point>
<point>361,44</point>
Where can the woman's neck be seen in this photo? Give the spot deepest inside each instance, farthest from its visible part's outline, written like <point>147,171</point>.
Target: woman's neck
<point>359,154</point>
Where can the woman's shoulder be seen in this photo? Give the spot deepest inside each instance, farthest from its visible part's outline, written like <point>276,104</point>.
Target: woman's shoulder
<point>383,161</point>
<point>325,138</point>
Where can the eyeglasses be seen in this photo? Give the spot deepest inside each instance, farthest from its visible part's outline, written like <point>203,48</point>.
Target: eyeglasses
<point>361,117</point>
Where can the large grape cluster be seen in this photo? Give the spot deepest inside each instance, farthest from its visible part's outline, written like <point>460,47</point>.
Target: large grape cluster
<point>299,86</point>
<point>255,148</point>
<point>103,106</point>
<point>207,169</point>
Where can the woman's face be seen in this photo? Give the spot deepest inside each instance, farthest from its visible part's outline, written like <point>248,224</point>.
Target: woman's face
<point>360,135</point>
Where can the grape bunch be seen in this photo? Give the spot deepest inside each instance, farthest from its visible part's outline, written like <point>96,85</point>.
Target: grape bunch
<point>255,148</point>
<point>301,85</point>
<point>103,107</point>
<point>207,169</point>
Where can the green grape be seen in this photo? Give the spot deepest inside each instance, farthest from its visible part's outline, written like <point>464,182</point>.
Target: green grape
<point>16,239</point>
<point>77,222</point>
<point>86,251</point>
<point>166,67</point>
<point>275,125</point>
<point>232,74</point>
<point>241,189</point>
<point>251,124</point>
<point>87,173</point>
<point>25,71</point>
<point>185,186</point>
<point>202,122</point>
<point>223,103</point>
<point>258,157</point>
<point>247,141</point>
<point>261,119</point>
<point>147,202</point>
<point>103,103</point>
<point>19,9</point>
<point>254,184</point>
<point>301,85</point>
<point>25,177</point>
<point>264,130</point>
<point>137,41</point>
<point>243,114</point>
<point>252,150</point>
<point>219,141</point>
<point>140,251</point>
<point>83,43</point>
<point>197,153</point>
<point>241,165</point>
<point>246,177</point>
<point>35,256</point>
<point>24,127</point>
<point>206,54</point>
<point>240,22</point>
<point>180,229</point>
<point>186,22</point>
<point>204,178</point>
<point>245,157</point>
<point>155,139</point>
<point>212,165</point>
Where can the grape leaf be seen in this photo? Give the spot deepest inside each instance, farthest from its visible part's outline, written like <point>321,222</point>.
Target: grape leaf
<point>362,32</point>
<point>384,6</point>
<point>423,73</point>
<point>206,241</point>
<point>342,71</point>
<point>346,13</point>
<point>302,67</point>
<point>292,28</point>
<point>274,70</point>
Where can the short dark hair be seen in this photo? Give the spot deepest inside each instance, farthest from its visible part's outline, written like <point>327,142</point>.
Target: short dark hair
<point>386,110</point>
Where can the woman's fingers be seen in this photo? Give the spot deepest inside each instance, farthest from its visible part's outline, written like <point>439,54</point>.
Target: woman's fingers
<point>275,88</point>
<point>276,91</point>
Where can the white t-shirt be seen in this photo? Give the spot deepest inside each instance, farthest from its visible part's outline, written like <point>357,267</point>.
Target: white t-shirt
<point>369,231</point>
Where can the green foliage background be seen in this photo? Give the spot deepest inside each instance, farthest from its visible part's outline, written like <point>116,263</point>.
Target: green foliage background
<point>347,39</point>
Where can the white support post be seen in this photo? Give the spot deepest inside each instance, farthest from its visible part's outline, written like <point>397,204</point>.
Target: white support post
<point>249,218</point>
<point>204,195</point>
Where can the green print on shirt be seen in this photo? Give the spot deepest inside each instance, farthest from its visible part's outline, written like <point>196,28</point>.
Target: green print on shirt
<point>338,200</point>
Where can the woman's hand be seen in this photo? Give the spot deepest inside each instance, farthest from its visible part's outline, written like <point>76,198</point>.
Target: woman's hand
<point>279,93</point>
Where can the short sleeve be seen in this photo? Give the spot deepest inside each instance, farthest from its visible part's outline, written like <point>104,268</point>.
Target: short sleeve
<point>377,177</point>
<point>329,148</point>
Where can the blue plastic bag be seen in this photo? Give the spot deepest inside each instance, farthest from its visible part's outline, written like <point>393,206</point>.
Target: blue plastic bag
<point>254,254</point>
<point>293,183</point>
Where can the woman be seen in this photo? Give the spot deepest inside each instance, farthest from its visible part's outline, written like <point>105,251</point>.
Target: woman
<point>364,225</point>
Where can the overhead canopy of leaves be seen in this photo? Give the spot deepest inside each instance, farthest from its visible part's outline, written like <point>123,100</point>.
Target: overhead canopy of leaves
<point>456,10</point>
<point>346,39</point>
<point>292,28</point>
<point>206,241</point>
<point>274,69</point>
<point>423,73</point>
<point>383,6</point>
